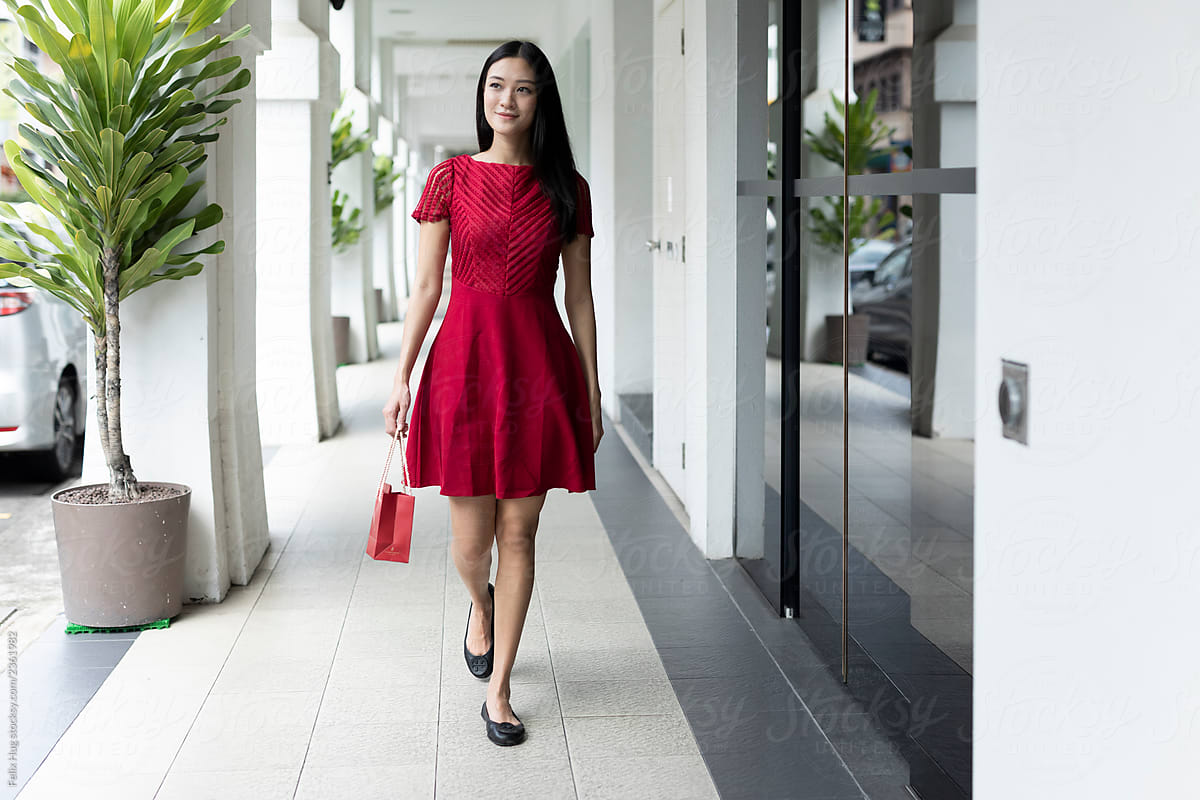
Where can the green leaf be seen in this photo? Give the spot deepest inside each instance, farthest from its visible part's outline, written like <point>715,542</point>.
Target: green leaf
<point>209,216</point>
<point>45,280</point>
<point>68,14</point>
<point>10,251</point>
<point>199,138</point>
<point>213,249</point>
<point>122,82</point>
<point>26,178</point>
<point>138,33</point>
<point>240,33</point>
<point>102,31</point>
<point>154,256</point>
<point>207,12</point>
<point>166,275</point>
<point>176,197</point>
<point>133,172</point>
<point>238,81</point>
<point>43,33</point>
<point>221,106</point>
<point>79,181</point>
<point>89,77</point>
<point>112,153</point>
<point>125,216</point>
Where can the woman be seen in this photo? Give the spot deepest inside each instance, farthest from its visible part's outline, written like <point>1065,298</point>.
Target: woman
<point>507,406</point>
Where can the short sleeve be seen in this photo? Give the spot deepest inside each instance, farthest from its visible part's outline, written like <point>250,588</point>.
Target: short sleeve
<point>583,209</point>
<point>434,204</point>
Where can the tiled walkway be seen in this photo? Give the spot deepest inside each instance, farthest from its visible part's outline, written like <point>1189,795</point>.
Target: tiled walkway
<point>334,676</point>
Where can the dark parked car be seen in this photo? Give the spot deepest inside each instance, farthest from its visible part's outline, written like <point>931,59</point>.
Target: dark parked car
<point>887,297</point>
<point>43,352</point>
<point>865,260</point>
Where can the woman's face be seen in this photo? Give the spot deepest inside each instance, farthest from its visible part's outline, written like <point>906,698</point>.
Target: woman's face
<point>509,96</point>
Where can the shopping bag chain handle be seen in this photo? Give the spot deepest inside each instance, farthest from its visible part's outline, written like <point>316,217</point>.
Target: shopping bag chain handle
<point>388,464</point>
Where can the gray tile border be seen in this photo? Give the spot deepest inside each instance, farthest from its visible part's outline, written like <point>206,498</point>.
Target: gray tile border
<point>57,676</point>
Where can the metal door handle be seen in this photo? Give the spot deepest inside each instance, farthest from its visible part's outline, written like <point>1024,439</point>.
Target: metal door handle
<point>654,244</point>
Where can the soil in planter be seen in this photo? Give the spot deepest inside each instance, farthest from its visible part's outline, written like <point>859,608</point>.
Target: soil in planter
<point>98,495</point>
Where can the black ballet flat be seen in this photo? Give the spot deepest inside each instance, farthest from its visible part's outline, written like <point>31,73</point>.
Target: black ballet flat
<point>503,733</point>
<point>481,666</point>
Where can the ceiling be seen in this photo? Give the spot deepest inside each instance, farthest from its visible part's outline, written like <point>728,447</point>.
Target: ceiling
<point>451,34</point>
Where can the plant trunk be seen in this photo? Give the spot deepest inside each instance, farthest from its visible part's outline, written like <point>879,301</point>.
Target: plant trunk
<point>122,485</point>
<point>101,405</point>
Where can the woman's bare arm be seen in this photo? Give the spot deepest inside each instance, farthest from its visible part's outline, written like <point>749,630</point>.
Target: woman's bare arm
<point>432,247</point>
<point>581,314</point>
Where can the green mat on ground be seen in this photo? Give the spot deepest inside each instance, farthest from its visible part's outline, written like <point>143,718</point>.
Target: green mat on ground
<point>158,623</point>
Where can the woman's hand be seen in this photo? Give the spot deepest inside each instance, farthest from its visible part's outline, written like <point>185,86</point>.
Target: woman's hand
<point>397,409</point>
<point>597,420</point>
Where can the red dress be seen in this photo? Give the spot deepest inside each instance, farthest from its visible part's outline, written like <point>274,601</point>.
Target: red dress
<point>502,406</point>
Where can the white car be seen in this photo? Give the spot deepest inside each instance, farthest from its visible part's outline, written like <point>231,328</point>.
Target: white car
<point>43,369</point>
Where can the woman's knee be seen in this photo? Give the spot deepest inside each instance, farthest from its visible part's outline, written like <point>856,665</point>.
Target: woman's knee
<point>473,521</point>
<point>517,521</point>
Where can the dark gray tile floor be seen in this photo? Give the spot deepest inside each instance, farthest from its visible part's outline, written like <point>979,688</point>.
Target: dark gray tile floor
<point>56,677</point>
<point>770,715</point>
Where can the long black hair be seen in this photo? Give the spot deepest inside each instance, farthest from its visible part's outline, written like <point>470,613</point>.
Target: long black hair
<point>553,163</point>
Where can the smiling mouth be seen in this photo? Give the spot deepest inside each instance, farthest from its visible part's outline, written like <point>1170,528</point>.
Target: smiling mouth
<point>506,116</point>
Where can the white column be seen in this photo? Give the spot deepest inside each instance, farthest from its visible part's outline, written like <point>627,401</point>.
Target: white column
<point>350,32</point>
<point>751,277</point>
<point>400,229</point>
<point>944,266</point>
<point>711,366</point>
<point>353,283</point>
<point>188,363</point>
<point>297,386</point>
<point>384,230</point>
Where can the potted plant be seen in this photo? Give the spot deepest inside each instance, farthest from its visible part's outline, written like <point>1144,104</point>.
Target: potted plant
<point>827,224</point>
<point>385,180</point>
<point>114,141</point>
<point>344,144</point>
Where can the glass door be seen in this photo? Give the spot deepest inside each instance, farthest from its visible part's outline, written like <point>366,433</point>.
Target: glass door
<point>877,373</point>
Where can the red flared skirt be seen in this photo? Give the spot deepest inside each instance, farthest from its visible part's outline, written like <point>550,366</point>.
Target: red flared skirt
<point>502,405</point>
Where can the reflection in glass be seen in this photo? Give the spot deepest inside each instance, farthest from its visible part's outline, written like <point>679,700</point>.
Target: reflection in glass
<point>911,424</point>
<point>911,509</point>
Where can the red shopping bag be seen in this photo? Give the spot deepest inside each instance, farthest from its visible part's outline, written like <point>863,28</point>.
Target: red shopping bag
<point>391,524</point>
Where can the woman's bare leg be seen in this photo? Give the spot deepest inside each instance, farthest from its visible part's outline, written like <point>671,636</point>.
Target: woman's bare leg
<point>516,528</point>
<point>473,529</point>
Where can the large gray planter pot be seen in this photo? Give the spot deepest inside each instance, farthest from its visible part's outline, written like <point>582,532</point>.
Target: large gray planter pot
<point>859,326</point>
<point>341,340</point>
<point>122,563</point>
<point>381,307</point>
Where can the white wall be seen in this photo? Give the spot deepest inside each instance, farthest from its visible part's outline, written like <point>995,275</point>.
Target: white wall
<point>1087,559</point>
<point>447,119</point>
